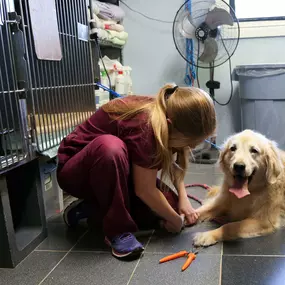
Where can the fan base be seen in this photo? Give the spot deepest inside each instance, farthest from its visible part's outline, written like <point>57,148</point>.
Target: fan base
<point>206,157</point>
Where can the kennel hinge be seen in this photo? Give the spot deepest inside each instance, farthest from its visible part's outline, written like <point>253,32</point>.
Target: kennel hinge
<point>32,131</point>
<point>19,50</point>
<point>14,20</point>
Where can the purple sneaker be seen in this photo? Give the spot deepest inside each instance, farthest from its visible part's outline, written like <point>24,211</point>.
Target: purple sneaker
<point>125,245</point>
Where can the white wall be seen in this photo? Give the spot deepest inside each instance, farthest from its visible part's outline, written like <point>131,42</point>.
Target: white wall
<point>152,55</point>
<point>150,50</point>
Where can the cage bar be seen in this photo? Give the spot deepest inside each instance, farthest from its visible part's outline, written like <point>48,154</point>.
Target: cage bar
<point>13,138</point>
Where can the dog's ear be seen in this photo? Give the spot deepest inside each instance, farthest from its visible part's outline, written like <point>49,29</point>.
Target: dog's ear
<point>273,162</point>
<point>223,152</point>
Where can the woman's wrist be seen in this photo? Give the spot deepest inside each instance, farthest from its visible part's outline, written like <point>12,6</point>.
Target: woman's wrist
<point>174,219</point>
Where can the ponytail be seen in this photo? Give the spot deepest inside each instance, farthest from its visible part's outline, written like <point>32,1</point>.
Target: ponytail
<point>158,119</point>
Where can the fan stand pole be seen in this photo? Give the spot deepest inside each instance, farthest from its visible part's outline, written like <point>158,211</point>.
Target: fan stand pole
<point>208,156</point>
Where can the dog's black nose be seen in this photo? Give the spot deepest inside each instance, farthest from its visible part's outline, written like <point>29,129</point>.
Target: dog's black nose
<point>239,167</point>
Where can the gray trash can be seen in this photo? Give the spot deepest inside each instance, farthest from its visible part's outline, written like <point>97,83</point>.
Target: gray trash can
<point>262,93</point>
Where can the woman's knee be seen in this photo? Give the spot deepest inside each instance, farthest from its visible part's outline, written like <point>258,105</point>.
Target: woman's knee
<point>110,147</point>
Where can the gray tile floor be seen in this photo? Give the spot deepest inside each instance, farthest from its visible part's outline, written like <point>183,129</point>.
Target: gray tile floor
<point>80,257</point>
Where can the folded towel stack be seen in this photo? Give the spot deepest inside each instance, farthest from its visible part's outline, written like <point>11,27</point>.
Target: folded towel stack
<point>105,23</point>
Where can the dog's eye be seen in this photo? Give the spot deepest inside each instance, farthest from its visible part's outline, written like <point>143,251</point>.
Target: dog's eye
<point>233,148</point>
<point>253,150</point>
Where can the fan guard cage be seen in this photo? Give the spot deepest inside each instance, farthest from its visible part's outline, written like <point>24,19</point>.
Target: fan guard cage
<point>227,37</point>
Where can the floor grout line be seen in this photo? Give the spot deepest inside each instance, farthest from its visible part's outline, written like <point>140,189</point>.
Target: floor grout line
<point>62,258</point>
<point>146,245</point>
<point>133,272</point>
<point>106,251</point>
<point>221,264</point>
<point>171,252</point>
<point>158,253</point>
<point>137,264</point>
<point>92,251</point>
<point>256,255</point>
<point>50,250</point>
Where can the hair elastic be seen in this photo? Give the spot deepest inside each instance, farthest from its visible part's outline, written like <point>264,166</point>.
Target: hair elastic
<point>170,91</point>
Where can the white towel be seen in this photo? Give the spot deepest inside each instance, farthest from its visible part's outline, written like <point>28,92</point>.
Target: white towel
<point>110,11</point>
<point>107,25</point>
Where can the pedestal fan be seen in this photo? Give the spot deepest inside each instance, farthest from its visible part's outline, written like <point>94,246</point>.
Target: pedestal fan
<point>212,31</point>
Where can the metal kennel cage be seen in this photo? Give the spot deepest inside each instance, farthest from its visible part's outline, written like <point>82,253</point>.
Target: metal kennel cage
<point>43,96</point>
<point>41,101</point>
<point>13,113</point>
<point>62,92</point>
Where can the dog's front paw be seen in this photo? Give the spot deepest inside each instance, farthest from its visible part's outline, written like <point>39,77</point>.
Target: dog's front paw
<point>203,218</point>
<point>204,239</point>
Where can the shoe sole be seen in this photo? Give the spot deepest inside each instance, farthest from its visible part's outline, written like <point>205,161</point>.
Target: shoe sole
<point>133,253</point>
<point>68,209</point>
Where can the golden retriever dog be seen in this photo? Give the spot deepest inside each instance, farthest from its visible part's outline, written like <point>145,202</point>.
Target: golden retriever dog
<point>251,197</point>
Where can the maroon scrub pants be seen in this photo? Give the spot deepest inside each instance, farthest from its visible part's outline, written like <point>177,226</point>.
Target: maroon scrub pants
<point>101,175</point>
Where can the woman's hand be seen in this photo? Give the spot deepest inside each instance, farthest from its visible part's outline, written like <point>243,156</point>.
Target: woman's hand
<point>185,208</point>
<point>175,226</point>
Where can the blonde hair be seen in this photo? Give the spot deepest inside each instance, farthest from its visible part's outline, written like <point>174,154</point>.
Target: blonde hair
<point>191,113</point>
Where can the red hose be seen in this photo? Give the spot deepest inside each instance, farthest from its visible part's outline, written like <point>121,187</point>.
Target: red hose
<point>207,187</point>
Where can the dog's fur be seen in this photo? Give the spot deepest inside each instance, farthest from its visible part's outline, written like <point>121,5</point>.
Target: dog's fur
<point>262,211</point>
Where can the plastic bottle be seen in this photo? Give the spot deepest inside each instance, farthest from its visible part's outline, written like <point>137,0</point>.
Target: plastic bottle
<point>130,83</point>
<point>128,80</point>
<point>125,71</point>
<point>97,98</point>
<point>104,78</point>
<point>105,97</point>
<point>120,83</point>
<point>101,97</point>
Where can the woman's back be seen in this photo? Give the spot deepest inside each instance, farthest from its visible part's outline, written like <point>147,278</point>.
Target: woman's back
<point>135,132</point>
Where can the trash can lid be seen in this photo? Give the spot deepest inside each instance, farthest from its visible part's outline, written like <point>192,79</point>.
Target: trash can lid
<point>258,70</point>
<point>261,66</point>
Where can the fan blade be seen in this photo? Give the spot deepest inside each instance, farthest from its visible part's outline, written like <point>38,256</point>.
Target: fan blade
<point>187,30</point>
<point>218,17</point>
<point>210,51</point>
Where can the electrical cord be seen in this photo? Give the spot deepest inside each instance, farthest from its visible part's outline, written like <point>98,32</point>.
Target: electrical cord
<point>145,16</point>
<point>197,65</point>
<point>212,72</point>
<point>101,57</point>
<point>230,67</point>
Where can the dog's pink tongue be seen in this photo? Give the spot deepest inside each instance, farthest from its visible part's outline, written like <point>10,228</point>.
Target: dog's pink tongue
<point>240,188</point>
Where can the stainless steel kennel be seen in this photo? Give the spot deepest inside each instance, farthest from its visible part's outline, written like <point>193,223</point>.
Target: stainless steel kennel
<point>41,101</point>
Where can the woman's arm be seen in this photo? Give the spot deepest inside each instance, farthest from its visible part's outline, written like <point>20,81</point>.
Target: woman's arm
<point>145,189</point>
<point>179,175</point>
<point>185,206</point>
<point>180,187</point>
